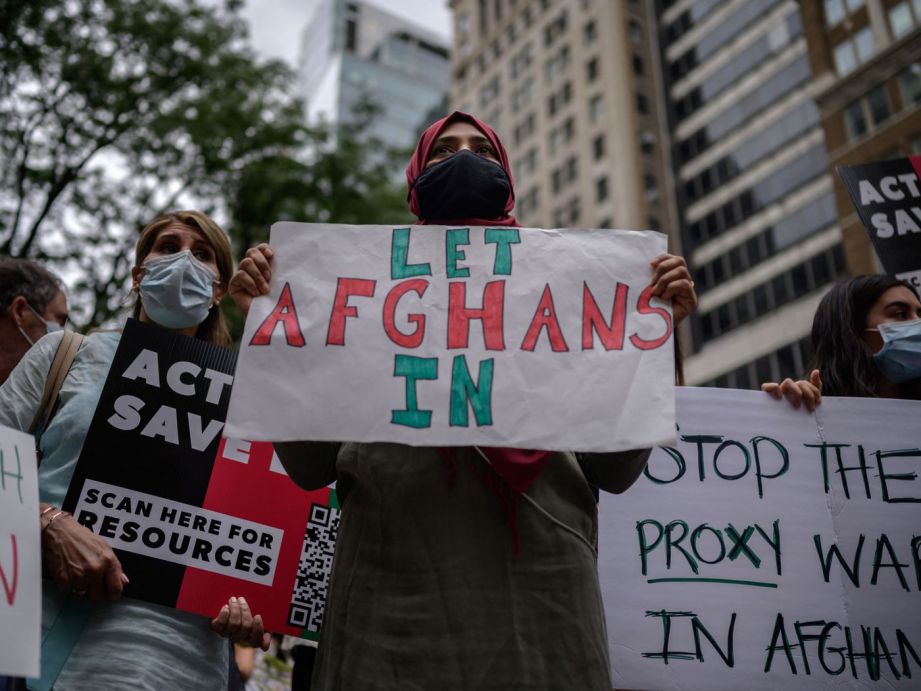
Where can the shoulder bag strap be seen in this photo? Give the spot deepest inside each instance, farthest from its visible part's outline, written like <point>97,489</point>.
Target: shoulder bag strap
<point>60,366</point>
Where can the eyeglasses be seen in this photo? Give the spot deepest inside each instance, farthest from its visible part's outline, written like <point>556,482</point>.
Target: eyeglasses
<point>50,326</point>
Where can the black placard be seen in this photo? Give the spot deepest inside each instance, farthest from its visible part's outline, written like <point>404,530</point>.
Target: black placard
<point>156,430</point>
<point>887,195</point>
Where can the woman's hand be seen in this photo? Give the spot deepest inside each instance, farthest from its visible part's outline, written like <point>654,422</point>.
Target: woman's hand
<point>672,281</point>
<point>80,562</point>
<point>252,277</point>
<point>236,622</point>
<point>798,392</point>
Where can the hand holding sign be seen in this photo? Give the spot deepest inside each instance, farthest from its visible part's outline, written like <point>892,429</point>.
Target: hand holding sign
<point>236,622</point>
<point>252,277</point>
<point>80,562</point>
<point>672,281</point>
<point>797,392</point>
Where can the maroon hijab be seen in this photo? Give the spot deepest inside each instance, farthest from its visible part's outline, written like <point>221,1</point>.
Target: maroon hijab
<point>517,467</point>
<point>424,149</point>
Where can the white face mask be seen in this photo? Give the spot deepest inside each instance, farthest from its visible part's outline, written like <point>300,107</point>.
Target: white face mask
<point>176,290</point>
<point>900,357</point>
<point>50,327</point>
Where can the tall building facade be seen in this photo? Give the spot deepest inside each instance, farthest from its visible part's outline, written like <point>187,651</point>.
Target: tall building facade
<point>353,50</point>
<point>719,121</point>
<point>866,55</point>
<point>570,86</point>
<point>759,222</point>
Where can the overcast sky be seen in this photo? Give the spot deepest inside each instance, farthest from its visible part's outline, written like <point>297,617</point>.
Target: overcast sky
<point>276,25</point>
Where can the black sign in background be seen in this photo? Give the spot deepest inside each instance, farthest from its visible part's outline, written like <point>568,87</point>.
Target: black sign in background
<point>153,465</point>
<point>899,253</point>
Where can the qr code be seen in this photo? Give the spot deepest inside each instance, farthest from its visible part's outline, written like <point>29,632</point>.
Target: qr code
<point>309,596</point>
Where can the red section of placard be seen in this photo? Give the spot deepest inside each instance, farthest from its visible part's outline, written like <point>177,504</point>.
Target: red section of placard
<point>246,486</point>
<point>916,164</point>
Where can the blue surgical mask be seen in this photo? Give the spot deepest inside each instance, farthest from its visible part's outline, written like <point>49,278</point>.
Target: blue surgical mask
<point>900,357</point>
<point>176,290</point>
<point>50,327</point>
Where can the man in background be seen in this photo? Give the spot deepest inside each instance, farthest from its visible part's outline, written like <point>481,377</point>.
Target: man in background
<point>32,303</point>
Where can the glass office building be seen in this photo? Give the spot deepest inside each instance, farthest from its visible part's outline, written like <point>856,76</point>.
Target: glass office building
<point>353,51</point>
<point>759,222</point>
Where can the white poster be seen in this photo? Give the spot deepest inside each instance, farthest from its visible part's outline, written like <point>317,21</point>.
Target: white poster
<point>20,556</point>
<point>770,548</point>
<point>441,336</point>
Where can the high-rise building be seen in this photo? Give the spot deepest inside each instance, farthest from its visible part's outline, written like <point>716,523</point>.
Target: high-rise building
<point>759,222</point>
<point>866,55</point>
<point>353,50</point>
<point>570,86</point>
<point>704,118</point>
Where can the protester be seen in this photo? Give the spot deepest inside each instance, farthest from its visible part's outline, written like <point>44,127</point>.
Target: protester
<point>182,264</point>
<point>467,567</point>
<point>866,341</point>
<point>32,303</point>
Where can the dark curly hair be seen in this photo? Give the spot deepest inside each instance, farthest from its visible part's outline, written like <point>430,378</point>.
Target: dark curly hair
<point>839,352</point>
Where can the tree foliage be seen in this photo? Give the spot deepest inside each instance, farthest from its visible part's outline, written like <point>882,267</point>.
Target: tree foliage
<point>112,111</point>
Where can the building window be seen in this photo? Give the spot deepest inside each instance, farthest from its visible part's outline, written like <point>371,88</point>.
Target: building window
<point>598,147</point>
<point>634,31</point>
<point>572,170</point>
<point>595,108</point>
<point>601,189</point>
<point>836,10</point>
<point>902,19</point>
<point>590,33</point>
<point>484,18</point>
<point>489,93</point>
<point>569,130</point>
<point>351,34</point>
<point>575,212</point>
<point>524,129</point>
<point>652,189</point>
<point>556,66</point>
<point>555,29</point>
<point>854,51</point>
<point>638,66</point>
<point>863,39</point>
<point>647,142</point>
<point>528,202</point>
<point>910,85</point>
<point>522,60</point>
<point>591,69</point>
<point>879,104</point>
<point>523,95</point>
<point>642,105</point>
<point>845,61</point>
<point>855,121</point>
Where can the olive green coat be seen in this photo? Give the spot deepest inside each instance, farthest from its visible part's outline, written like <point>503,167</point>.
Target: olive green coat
<point>427,592</point>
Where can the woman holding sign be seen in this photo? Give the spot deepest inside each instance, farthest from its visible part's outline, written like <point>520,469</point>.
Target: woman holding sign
<point>866,341</point>
<point>183,262</point>
<point>465,567</point>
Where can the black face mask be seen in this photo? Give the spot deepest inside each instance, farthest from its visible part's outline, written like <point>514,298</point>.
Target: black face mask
<point>462,186</point>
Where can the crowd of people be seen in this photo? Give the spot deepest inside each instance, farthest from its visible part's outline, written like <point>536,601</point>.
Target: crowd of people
<point>457,568</point>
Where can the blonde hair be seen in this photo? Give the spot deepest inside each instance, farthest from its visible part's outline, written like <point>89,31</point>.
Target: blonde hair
<point>214,328</point>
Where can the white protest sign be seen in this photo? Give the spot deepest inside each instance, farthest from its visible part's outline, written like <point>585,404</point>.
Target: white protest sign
<point>441,336</point>
<point>20,556</point>
<point>770,548</point>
